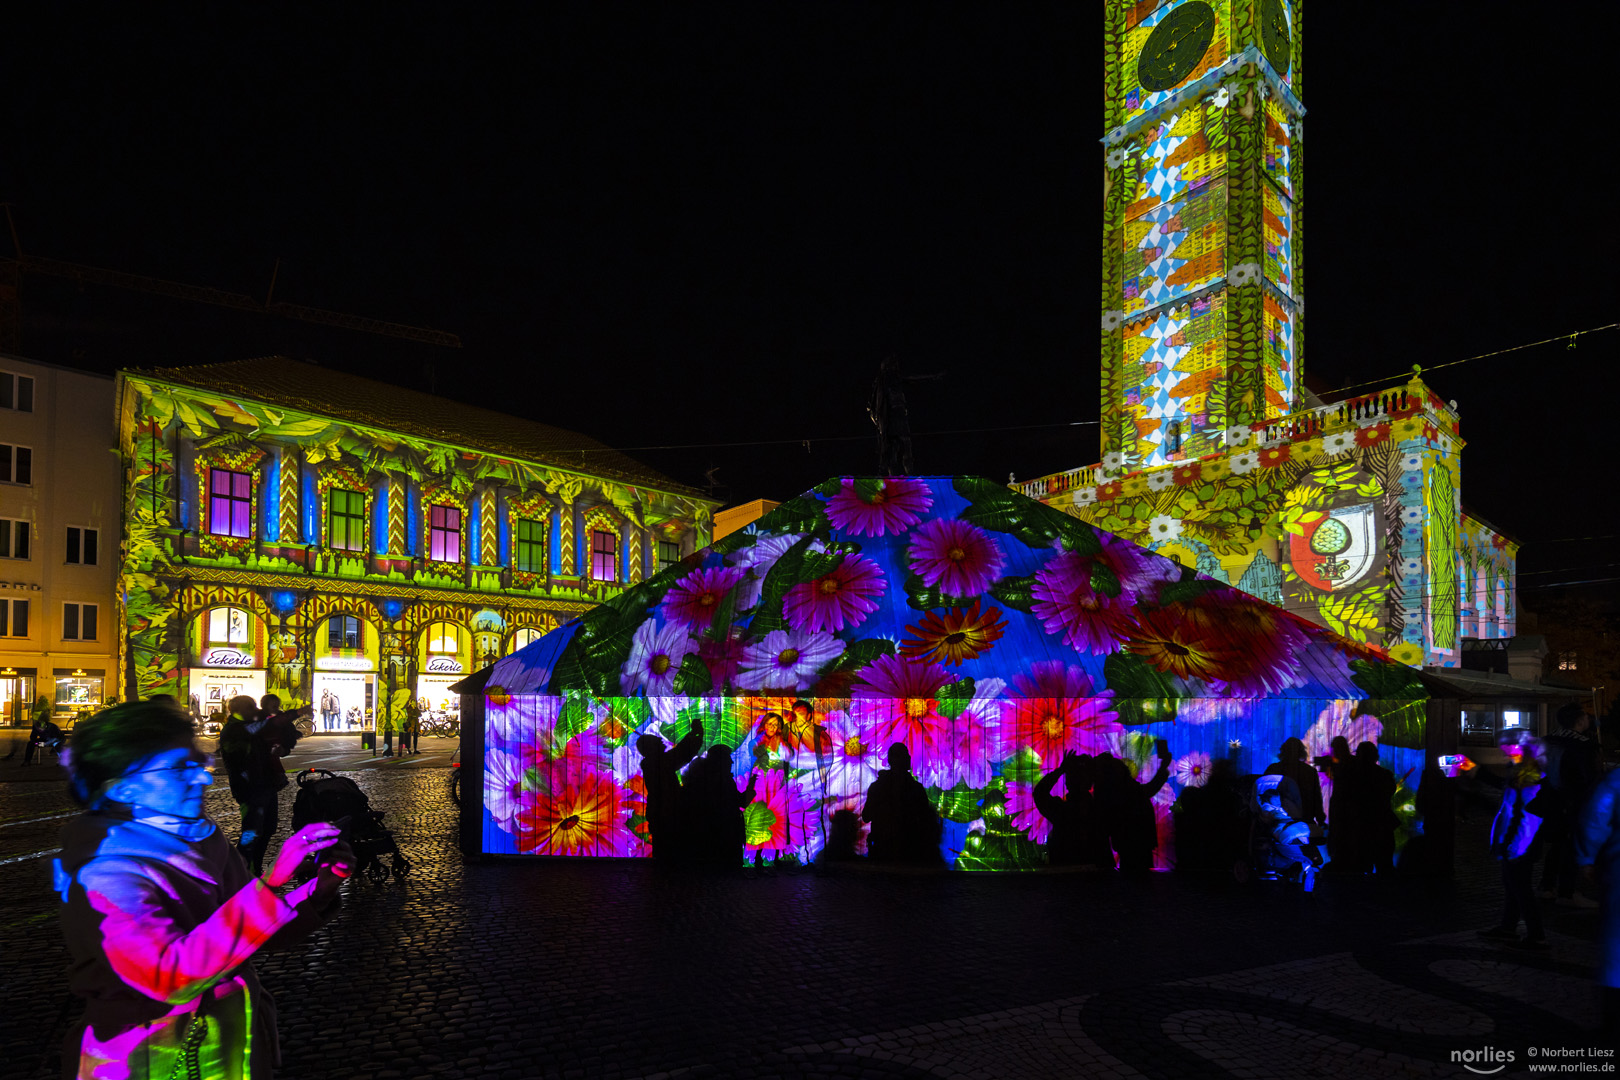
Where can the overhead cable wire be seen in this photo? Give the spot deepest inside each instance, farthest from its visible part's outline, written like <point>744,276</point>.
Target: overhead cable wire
<point>1570,338</point>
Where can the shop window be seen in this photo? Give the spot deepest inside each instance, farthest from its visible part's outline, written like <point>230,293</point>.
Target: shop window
<point>78,690</point>
<point>346,521</point>
<point>530,556</point>
<point>444,639</point>
<point>13,618</point>
<point>228,626</point>
<point>16,465</point>
<point>16,392</point>
<point>444,534</point>
<point>669,553</point>
<point>79,622</point>
<point>604,556</point>
<point>1479,726</point>
<point>343,632</point>
<point>13,539</point>
<point>230,503</point>
<point>83,545</point>
<point>526,636</point>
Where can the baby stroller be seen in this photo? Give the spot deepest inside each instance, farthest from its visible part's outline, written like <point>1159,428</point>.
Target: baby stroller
<point>324,796</point>
<point>1280,847</point>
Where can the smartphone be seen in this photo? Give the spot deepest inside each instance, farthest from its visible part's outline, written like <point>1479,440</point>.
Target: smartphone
<point>1162,746</point>
<point>1452,764</point>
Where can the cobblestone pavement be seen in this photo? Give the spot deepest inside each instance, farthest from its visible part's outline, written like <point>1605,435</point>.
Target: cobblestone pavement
<point>565,969</point>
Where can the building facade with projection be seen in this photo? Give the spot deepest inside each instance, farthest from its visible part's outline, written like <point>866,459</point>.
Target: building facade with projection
<point>1212,451</point>
<point>354,545</point>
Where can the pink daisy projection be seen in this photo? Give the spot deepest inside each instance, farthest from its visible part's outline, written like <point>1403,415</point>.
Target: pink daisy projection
<point>898,702</point>
<point>844,596</point>
<point>1067,605</point>
<point>1191,770</point>
<point>1140,574</point>
<point>896,506</point>
<point>973,741</point>
<point>1022,813</point>
<point>756,561</point>
<point>1055,710</point>
<point>855,759</point>
<point>959,558</point>
<point>503,783</point>
<point>655,658</point>
<point>524,722</point>
<point>786,660</point>
<point>722,657</point>
<point>783,816</point>
<point>697,596</point>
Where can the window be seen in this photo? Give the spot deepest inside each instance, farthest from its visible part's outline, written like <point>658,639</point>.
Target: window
<point>1479,726</point>
<point>444,534</point>
<point>1566,661</point>
<point>16,464</point>
<point>228,626</point>
<point>13,539</point>
<point>343,632</point>
<point>78,622</point>
<point>604,556</point>
<point>346,521</point>
<point>230,503</point>
<point>444,639</point>
<point>669,553</point>
<point>531,547</point>
<point>82,544</point>
<point>16,392</point>
<point>526,636</point>
<point>13,618</point>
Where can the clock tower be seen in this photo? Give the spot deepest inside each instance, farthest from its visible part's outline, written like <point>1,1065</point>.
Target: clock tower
<point>1202,294</point>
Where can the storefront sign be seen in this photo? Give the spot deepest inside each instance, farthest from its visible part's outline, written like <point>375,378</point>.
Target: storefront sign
<point>447,665</point>
<point>234,658</point>
<point>343,663</point>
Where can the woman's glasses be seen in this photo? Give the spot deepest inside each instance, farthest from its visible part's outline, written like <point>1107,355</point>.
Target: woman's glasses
<point>203,762</point>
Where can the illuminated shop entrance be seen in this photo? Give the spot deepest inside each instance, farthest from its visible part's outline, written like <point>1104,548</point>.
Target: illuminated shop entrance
<point>229,661</point>
<point>441,664</point>
<point>16,695</point>
<point>343,696</point>
<point>78,692</point>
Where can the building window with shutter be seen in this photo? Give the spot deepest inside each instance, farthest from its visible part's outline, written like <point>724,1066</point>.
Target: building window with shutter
<point>604,556</point>
<point>79,622</point>
<point>230,503</point>
<point>346,521</point>
<point>83,545</point>
<point>530,556</point>
<point>444,534</point>
<point>13,539</point>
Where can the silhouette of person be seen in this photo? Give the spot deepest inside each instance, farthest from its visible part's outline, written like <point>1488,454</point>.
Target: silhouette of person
<point>1437,805</point>
<point>1072,816</point>
<point>1293,762</point>
<point>712,810</point>
<point>904,825</point>
<point>1127,806</point>
<point>892,418</point>
<point>660,775</point>
<point>1341,811</point>
<point>1210,833</point>
<point>1376,818</point>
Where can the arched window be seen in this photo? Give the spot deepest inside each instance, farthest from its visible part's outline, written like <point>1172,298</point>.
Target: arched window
<point>444,639</point>
<point>229,626</point>
<point>528,635</point>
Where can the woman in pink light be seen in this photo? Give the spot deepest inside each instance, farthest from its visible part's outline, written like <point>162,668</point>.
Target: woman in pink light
<point>161,915</point>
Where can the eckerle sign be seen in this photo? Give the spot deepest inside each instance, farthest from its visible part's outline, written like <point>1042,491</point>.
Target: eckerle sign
<point>227,658</point>
<point>444,665</point>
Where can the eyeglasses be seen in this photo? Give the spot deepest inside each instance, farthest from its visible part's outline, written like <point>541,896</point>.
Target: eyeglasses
<point>204,763</point>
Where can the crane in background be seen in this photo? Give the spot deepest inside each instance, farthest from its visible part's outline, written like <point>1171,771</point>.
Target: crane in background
<point>12,270</point>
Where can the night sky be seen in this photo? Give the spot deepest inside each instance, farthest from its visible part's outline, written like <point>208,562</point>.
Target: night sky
<point>685,224</point>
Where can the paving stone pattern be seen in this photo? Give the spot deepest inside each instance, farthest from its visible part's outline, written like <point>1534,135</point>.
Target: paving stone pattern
<point>610,969</point>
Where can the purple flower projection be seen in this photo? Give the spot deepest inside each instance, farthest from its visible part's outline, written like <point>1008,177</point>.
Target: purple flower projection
<point>988,634</point>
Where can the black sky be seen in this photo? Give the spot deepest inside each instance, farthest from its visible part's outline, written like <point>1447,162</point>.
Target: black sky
<point>685,224</point>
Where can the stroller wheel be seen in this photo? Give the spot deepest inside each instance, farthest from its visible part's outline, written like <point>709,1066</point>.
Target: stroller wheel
<point>377,872</point>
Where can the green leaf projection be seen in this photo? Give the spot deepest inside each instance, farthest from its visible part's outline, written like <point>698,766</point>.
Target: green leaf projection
<point>802,650</point>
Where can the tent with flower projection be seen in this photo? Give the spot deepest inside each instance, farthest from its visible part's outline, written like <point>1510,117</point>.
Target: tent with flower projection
<point>989,633</point>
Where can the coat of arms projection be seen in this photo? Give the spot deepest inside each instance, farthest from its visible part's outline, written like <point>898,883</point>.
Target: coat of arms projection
<point>986,632</point>
<point>1201,295</point>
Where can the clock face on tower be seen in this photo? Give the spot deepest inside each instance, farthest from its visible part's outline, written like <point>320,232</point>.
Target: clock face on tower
<point>1176,45</point>
<point>1274,37</point>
